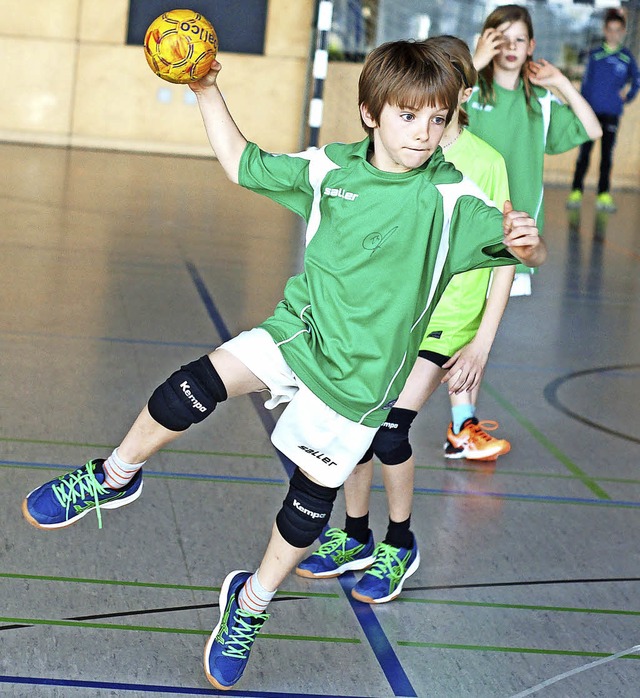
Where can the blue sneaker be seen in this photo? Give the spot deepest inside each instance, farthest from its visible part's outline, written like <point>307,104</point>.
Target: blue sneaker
<point>227,651</point>
<point>66,499</point>
<point>337,553</point>
<point>383,582</point>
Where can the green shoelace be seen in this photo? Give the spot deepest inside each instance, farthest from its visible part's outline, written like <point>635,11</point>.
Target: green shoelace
<point>245,628</point>
<point>388,564</point>
<point>81,484</point>
<point>338,539</point>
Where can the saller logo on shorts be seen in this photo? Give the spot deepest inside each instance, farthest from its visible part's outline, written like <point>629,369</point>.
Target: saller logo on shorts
<point>195,403</point>
<point>307,512</point>
<point>318,454</point>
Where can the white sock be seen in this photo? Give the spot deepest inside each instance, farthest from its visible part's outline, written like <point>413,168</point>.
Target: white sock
<point>117,473</point>
<point>253,597</point>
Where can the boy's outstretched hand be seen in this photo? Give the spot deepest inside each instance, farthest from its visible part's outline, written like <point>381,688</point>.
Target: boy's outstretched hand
<point>521,236</point>
<point>208,80</point>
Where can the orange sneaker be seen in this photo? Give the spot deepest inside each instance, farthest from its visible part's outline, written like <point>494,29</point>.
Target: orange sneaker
<point>473,442</point>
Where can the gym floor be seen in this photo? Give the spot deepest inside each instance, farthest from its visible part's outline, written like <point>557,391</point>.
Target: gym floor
<point>115,268</point>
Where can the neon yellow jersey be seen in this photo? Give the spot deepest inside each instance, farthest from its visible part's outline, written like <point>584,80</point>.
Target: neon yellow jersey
<point>381,248</point>
<point>457,316</point>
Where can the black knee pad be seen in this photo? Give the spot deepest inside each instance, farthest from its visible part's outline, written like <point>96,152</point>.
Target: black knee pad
<point>367,456</point>
<point>305,510</point>
<point>188,396</point>
<point>391,442</point>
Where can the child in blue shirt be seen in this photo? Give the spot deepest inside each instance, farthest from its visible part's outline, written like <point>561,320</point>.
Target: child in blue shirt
<point>610,81</point>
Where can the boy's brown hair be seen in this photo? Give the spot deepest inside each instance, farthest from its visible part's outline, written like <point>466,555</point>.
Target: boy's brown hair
<point>505,13</point>
<point>462,61</point>
<point>615,15</point>
<point>407,74</point>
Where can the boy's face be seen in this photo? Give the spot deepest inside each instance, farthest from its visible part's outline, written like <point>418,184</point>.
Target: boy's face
<point>405,138</point>
<point>516,47</point>
<point>614,33</point>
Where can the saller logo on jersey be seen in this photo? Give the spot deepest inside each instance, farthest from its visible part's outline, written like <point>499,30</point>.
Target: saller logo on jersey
<point>341,194</point>
<point>318,454</point>
<point>308,512</point>
<point>482,107</point>
<point>195,403</point>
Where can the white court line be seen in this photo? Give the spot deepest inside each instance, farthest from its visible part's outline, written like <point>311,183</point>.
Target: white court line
<point>566,675</point>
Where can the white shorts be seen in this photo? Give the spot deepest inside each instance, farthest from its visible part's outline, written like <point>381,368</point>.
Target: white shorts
<point>321,442</point>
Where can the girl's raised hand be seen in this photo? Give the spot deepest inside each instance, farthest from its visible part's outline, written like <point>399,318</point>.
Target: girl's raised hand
<point>544,74</point>
<point>489,45</point>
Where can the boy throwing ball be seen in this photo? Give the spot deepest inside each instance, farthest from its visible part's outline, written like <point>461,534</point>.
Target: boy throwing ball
<point>389,222</point>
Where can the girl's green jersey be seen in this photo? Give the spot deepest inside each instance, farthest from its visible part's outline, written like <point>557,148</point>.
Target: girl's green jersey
<point>381,248</point>
<point>522,135</point>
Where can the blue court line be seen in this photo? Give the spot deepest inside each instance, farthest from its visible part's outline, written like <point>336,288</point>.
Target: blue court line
<point>221,326</point>
<point>224,334</point>
<point>157,473</point>
<point>382,647</point>
<point>289,466</point>
<point>205,297</point>
<point>152,688</point>
<point>113,340</point>
<point>376,637</point>
<point>526,497</point>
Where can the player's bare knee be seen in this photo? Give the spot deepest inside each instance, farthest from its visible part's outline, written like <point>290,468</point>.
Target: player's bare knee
<point>188,396</point>
<point>305,510</point>
<point>391,442</point>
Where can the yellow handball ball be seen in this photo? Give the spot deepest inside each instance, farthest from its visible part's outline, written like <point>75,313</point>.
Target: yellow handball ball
<point>180,46</point>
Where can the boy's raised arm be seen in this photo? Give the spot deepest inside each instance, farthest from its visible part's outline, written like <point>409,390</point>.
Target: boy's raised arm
<point>225,137</point>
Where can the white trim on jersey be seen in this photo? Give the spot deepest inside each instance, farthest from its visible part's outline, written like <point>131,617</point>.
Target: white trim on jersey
<point>319,166</point>
<point>545,106</point>
<point>386,392</point>
<point>450,193</point>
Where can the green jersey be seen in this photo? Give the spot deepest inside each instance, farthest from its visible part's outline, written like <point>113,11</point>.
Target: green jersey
<point>381,248</point>
<point>481,163</point>
<point>457,316</point>
<point>522,135</point>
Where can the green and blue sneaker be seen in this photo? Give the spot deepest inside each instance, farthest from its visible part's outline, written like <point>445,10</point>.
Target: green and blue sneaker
<point>227,651</point>
<point>338,553</point>
<point>383,582</point>
<point>66,499</point>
